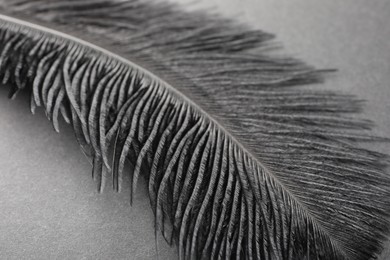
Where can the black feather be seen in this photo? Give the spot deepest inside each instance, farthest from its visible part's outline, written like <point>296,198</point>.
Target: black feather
<point>241,160</point>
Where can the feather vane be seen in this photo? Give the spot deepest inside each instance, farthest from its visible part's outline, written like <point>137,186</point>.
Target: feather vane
<point>240,161</point>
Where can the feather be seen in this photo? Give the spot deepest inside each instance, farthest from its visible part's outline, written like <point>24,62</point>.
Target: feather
<point>241,160</point>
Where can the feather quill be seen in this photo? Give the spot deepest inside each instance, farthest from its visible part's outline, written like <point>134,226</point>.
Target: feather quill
<point>241,160</point>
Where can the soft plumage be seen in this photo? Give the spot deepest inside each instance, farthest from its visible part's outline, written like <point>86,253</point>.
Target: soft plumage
<point>240,159</point>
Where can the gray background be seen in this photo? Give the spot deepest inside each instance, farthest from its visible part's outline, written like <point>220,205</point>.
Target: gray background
<point>49,207</point>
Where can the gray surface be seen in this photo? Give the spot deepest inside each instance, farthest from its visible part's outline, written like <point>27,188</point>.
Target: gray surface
<point>49,207</point>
